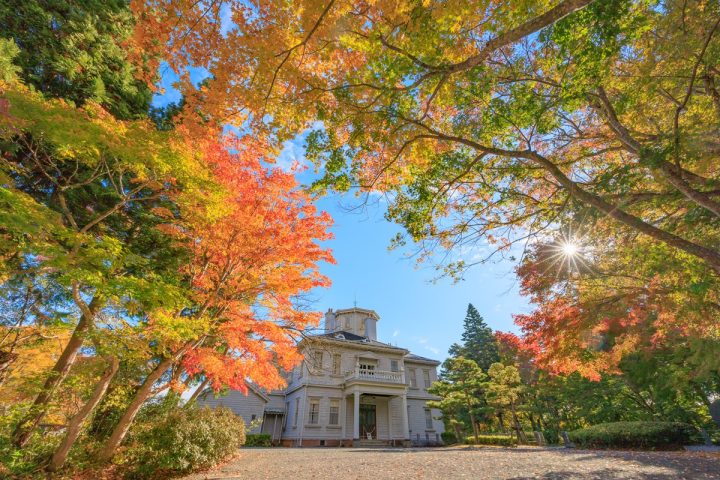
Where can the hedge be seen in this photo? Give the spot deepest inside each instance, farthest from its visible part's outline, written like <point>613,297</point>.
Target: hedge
<point>552,436</point>
<point>640,435</point>
<point>500,440</point>
<point>449,438</point>
<point>258,440</point>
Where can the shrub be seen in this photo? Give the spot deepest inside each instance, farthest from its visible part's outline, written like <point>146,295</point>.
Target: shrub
<point>185,439</point>
<point>500,440</point>
<point>642,435</point>
<point>449,438</point>
<point>16,462</point>
<point>258,440</point>
<point>552,436</point>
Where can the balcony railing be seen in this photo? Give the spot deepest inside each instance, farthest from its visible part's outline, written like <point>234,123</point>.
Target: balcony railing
<point>376,376</point>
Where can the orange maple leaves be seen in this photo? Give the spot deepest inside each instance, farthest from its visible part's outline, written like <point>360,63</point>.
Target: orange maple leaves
<point>252,257</point>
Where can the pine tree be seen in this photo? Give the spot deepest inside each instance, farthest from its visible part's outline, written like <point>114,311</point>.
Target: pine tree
<point>478,341</point>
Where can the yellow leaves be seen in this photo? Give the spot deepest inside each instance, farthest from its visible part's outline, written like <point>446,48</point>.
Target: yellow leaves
<point>171,330</point>
<point>92,136</point>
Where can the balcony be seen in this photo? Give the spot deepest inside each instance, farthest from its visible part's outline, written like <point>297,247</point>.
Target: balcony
<point>380,376</point>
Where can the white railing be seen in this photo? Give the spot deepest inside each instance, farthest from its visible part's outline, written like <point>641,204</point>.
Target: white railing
<point>376,376</point>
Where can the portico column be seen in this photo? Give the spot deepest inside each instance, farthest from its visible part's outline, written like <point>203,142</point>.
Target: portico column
<point>389,419</point>
<point>343,416</point>
<point>405,419</point>
<point>356,416</point>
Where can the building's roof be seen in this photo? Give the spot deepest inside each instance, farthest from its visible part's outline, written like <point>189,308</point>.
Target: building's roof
<point>365,311</point>
<point>252,387</point>
<point>418,358</point>
<point>355,339</point>
<point>352,338</point>
<point>349,336</point>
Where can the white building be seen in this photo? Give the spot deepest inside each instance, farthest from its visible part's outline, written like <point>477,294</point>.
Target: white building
<point>351,390</point>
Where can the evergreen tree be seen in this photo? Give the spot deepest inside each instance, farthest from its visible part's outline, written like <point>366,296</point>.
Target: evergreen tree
<point>478,341</point>
<point>460,392</point>
<point>77,50</point>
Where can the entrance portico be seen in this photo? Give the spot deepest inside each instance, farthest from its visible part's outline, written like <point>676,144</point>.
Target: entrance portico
<point>377,413</point>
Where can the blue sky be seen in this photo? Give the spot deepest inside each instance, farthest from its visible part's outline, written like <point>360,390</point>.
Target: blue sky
<point>416,313</point>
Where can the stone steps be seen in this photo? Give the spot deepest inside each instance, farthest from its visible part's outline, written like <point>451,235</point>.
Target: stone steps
<point>373,443</point>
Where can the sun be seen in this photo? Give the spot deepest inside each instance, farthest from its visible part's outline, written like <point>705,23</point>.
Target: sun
<point>569,249</point>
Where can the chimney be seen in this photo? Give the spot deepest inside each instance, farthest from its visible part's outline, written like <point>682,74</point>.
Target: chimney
<point>330,321</point>
<point>371,328</point>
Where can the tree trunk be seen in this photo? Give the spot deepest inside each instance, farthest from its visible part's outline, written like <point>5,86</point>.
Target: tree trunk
<point>472,419</point>
<point>474,425</point>
<point>499,416</point>
<point>518,430</point>
<point>197,392</point>
<point>6,360</point>
<point>541,422</point>
<point>534,424</point>
<point>458,432</point>
<point>60,371</point>
<point>121,429</point>
<point>73,431</point>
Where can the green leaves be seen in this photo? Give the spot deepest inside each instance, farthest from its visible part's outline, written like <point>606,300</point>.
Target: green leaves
<point>8,51</point>
<point>77,51</point>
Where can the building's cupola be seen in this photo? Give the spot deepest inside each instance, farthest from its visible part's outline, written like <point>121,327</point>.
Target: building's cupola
<point>359,321</point>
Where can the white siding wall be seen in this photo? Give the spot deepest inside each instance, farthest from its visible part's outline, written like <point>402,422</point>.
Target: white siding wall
<point>416,420</point>
<point>417,398</point>
<point>396,415</point>
<point>293,428</point>
<point>277,401</point>
<point>420,375</point>
<point>241,405</point>
<point>323,430</point>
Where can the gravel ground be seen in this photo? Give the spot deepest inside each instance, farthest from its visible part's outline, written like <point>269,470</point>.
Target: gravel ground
<point>462,462</point>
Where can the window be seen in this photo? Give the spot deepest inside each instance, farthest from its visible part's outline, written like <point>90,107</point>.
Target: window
<point>253,417</point>
<point>367,369</point>
<point>301,369</point>
<point>336,364</point>
<point>413,378</point>
<point>409,424</point>
<point>318,361</point>
<point>297,412</point>
<point>428,419</point>
<point>334,412</point>
<point>426,378</point>
<point>314,411</point>
<point>394,366</point>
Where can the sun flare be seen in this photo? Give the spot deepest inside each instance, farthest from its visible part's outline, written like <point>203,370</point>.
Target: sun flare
<point>569,249</point>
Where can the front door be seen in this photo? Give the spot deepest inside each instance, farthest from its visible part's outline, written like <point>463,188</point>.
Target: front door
<point>368,424</point>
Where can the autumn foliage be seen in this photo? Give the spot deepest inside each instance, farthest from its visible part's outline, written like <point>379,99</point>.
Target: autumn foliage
<point>249,265</point>
<point>497,125</point>
<point>161,261</point>
<point>174,256</point>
